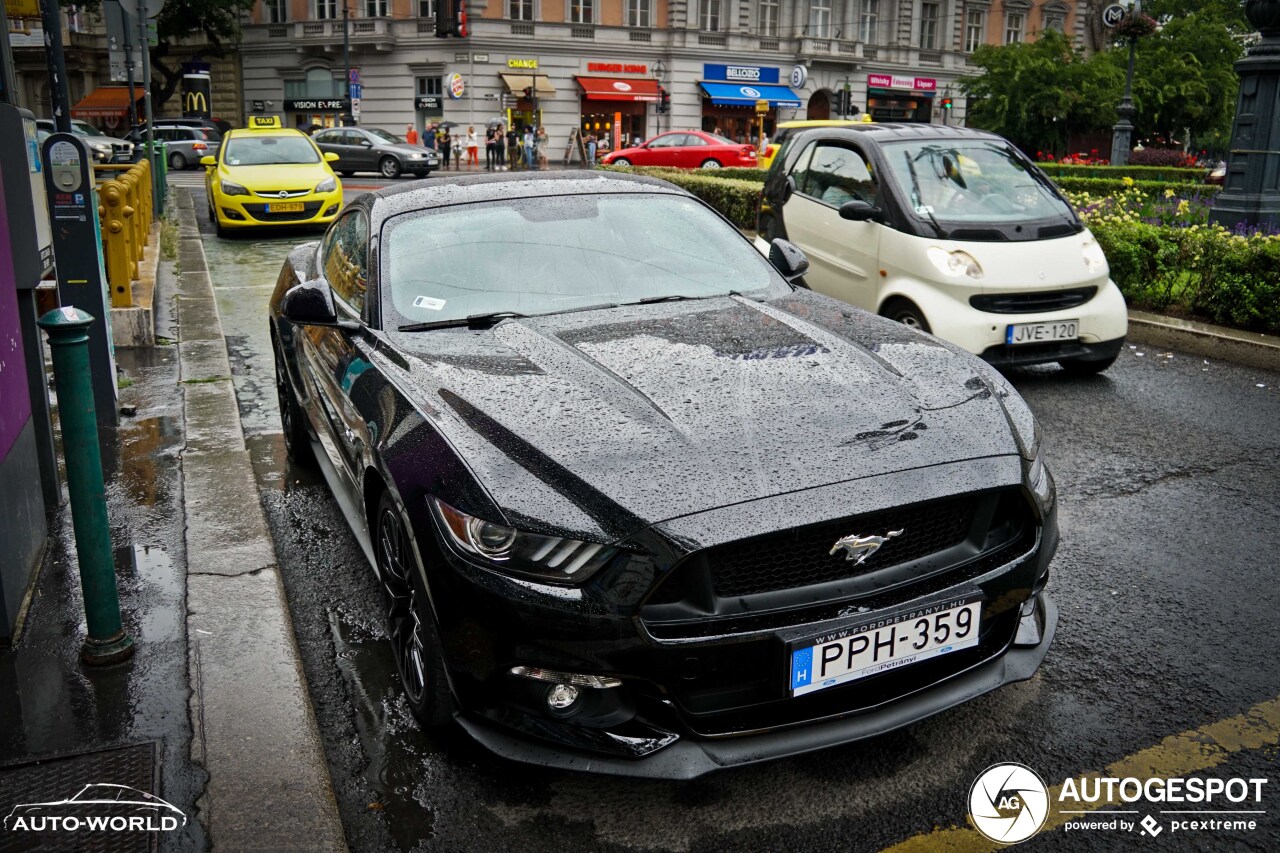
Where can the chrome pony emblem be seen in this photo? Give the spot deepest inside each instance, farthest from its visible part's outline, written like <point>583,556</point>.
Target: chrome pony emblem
<point>862,547</point>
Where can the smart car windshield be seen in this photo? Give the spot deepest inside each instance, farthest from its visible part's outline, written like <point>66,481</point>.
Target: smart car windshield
<point>972,181</point>
<point>269,150</point>
<point>548,255</point>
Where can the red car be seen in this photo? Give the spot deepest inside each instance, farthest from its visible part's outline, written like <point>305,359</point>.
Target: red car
<point>686,149</point>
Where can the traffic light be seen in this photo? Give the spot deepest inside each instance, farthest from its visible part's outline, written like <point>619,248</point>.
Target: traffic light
<point>664,100</point>
<point>844,102</point>
<point>460,18</point>
<point>946,103</point>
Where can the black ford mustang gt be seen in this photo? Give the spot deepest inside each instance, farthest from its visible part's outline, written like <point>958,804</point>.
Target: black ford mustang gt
<point>638,501</point>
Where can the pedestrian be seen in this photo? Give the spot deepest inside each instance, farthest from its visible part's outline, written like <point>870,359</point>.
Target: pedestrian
<point>591,148</point>
<point>446,146</point>
<point>429,136</point>
<point>490,149</point>
<point>457,151</point>
<point>513,148</point>
<point>529,142</point>
<point>500,148</point>
<point>473,148</point>
<point>411,135</point>
<point>540,142</point>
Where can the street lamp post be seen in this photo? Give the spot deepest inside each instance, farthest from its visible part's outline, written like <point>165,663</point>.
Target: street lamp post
<point>1122,133</point>
<point>347,119</point>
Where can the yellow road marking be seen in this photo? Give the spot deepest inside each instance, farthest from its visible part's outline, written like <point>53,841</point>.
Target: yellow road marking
<point>1177,755</point>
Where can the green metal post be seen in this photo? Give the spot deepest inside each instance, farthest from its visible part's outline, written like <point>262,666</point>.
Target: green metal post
<point>69,341</point>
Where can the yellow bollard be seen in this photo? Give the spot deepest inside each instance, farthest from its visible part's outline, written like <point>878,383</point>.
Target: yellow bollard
<point>116,239</point>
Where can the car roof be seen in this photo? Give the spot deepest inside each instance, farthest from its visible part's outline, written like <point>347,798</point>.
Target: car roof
<point>257,133</point>
<point>891,132</point>
<point>466,189</point>
<point>817,122</point>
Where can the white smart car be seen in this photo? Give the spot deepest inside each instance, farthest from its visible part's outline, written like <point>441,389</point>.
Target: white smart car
<point>951,230</point>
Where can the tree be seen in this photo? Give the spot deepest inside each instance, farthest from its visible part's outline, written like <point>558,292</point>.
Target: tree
<point>1037,94</point>
<point>212,25</point>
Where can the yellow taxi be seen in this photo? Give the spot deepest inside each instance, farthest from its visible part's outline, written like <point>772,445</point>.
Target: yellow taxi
<point>786,128</point>
<point>269,175</point>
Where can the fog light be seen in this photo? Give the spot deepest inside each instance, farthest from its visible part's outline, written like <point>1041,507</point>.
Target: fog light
<point>330,210</point>
<point>565,678</point>
<point>561,697</point>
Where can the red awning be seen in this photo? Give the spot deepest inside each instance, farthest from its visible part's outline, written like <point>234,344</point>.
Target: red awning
<point>619,88</point>
<point>105,101</point>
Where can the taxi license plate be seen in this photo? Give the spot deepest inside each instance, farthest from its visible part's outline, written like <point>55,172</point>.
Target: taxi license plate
<point>885,642</point>
<point>1038,333</point>
<point>285,207</point>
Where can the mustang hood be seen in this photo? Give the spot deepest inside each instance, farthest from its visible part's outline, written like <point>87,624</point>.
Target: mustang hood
<point>606,421</point>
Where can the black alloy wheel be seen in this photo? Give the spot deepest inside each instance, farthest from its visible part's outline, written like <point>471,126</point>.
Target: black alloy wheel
<point>296,441</point>
<point>410,623</point>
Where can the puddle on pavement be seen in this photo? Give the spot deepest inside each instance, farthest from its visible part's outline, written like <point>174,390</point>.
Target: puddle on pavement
<point>398,771</point>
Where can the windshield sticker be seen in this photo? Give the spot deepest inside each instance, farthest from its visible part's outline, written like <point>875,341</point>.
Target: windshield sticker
<point>924,209</point>
<point>429,302</point>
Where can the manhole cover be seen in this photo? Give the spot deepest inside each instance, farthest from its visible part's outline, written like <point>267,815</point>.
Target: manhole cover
<point>84,776</point>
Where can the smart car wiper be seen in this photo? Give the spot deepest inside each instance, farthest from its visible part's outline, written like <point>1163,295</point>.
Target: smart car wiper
<point>920,205</point>
<point>472,321</point>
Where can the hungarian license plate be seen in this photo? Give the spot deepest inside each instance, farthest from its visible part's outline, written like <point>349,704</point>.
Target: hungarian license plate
<point>1039,333</point>
<point>884,642</point>
<point>285,207</point>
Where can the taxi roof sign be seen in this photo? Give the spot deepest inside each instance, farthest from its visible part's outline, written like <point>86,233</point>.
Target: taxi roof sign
<point>265,123</point>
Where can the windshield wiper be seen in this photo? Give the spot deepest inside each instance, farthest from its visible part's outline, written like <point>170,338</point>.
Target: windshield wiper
<point>475,321</point>
<point>915,188</point>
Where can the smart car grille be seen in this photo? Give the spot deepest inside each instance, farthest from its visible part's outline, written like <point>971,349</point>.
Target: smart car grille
<point>259,212</point>
<point>1031,303</point>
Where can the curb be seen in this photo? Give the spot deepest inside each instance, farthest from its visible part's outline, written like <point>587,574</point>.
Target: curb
<point>253,726</point>
<point>1247,348</point>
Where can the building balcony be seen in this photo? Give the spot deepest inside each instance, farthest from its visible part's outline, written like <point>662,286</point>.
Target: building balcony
<point>378,33</point>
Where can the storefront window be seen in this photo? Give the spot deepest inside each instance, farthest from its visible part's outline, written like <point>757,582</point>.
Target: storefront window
<point>868,21</point>
<point>711,15</point>
<point>520,10</point>
<point>326,9</point>
<point>768,17</point>
<point>1014,24</point>
<point>820,19</point>
<point>975,29</point>
<point>638,14</point>
<point>928,26</point>
<point>582,11</point>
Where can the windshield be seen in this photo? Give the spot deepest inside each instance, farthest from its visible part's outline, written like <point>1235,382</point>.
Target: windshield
<point>85,129</point>
<point>721,140</point>
<point>383,136</point>
<point>269,150</point>
<point>546,255</point>
<point>971,181</point>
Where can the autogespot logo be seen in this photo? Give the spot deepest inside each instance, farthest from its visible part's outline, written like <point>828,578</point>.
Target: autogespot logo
<point>1008,803</point>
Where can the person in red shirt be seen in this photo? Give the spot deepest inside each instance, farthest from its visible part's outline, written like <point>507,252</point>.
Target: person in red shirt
<point>411,135</point>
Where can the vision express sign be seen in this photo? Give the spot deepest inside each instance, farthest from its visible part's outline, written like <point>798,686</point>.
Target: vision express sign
<point>316,104</point>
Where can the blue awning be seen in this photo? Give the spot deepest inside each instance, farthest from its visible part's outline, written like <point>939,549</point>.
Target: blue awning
<point>743,95</point>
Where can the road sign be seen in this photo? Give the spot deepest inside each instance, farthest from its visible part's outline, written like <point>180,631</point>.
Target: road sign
<point>1113,15</point>
<point>355,108</point>
<point>116,22</point>
<point>357,90</point>
<point>762,107</point>
<point>150,8</point>
<point>354,77</point>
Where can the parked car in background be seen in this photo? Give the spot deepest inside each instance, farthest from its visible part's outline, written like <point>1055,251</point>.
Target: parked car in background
<point>685,149</point>
<point>949,230</point>
<point>647,508</point>
<point>786,128</point>
<point>105,149</point>
<point>185,145</point>
<point>371,149</point>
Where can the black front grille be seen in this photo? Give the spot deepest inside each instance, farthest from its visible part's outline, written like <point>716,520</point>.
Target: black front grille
<point>1031,303</point>
<point>802,556</point>
<point>259,212</point>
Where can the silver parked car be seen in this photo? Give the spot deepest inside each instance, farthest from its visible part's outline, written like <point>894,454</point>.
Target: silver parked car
<point>105,149</point>
<point>184,146</point>
<point>371,149</point>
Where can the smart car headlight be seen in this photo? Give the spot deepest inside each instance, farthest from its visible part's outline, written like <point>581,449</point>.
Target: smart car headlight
<point>955,263</point>
<point>232,188</point>
<point>551,559</point>
<point>328,185</point>
<point>1095,260</point>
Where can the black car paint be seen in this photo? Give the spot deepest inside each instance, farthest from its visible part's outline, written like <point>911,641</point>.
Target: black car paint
<point>559,425</point>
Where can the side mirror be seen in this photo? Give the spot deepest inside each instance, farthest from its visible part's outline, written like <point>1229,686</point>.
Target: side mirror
<point>330,157</point>
<point>208,161</point>
<point>788,189</point>
<point>309,304</point>
<point>787,259</point>
<point>858,210</point>
<point>364,143</point>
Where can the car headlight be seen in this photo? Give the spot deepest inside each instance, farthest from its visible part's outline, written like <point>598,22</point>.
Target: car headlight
<point>328,185</point>
<point>232,188</point>
<point>1095,260</point>
<point>955,263</point>
<point>551,559</point>
<point>417,156</point>
<point>104,147</point>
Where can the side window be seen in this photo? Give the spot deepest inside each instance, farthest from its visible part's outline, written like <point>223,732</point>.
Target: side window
<point>691,139</point>
<point>670,140</point>
<point>837,174</point>
<point>801,171</point>
<point>346,258</point>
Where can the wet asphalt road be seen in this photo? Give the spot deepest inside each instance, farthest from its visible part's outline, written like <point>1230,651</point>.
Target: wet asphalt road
<point>1167,481</point>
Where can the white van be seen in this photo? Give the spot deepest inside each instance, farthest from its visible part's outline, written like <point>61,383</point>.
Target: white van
<point>952,231</point>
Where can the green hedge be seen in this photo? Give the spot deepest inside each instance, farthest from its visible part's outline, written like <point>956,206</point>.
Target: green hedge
<point>1169,174</point>
<point>733,197</point>
<point>1109,186</point>
<point>1201,271</point>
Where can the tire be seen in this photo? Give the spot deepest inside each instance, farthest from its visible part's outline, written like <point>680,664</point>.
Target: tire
<point>219,229</point>
<point>905,312</point>
<point>621,161</point>
<point>711,164</point>
<point>177,162</point>
<point>411,626</point>
<point>389,167</point>
<point>346,173</point>
<point>1081,367</point>
<point>297,443</point>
